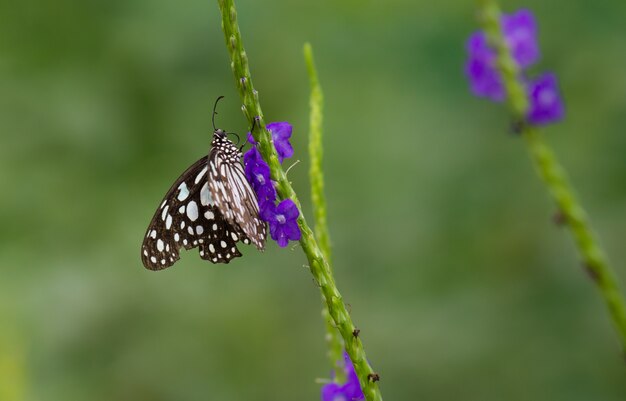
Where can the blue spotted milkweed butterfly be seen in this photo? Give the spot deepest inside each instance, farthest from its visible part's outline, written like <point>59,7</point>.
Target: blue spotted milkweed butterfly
<point>210,206</point>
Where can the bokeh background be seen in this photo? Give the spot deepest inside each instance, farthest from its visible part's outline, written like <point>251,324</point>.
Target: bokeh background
<point>444,247</point>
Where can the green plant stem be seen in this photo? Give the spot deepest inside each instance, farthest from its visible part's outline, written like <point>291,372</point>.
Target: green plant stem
<point>316,104</point>
<point>318,264</point>
<point>554,176</point>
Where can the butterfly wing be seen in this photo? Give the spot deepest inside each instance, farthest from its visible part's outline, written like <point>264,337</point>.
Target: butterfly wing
<point>188,218</point>
<point>232,192</point>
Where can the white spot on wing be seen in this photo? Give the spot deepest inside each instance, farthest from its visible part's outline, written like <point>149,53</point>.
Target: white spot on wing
<point>192,210</point>
<point>168,221</point>
<point>205,195</point>
<point>184,192</point>
<point>160,245</point>
<point>200,175</point>
<point>199,230</point>
<point>209,215</point>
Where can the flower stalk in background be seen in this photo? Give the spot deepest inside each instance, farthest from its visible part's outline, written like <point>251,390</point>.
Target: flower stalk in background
<point>336,353</point>
<point>498,56</point>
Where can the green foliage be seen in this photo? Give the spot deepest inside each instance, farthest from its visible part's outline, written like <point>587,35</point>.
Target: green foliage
<point>442,241</point>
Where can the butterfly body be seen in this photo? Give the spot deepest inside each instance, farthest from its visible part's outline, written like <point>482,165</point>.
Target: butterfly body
<point>210,206</point>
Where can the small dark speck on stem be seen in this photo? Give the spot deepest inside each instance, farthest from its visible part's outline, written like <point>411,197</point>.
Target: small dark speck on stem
<point>591,272</point>
<point>373,377</point>
<point>559,218</point>
<point>518,125</point>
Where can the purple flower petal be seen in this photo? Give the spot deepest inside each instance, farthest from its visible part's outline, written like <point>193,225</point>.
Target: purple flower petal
<point>292,231</point>
<point>252,157</point>
<point>282,220</point>
<point>251,138</point>
<point>281,132</point>
<point>258,175</point>
<point>520,32</point>
<point>266,194</point>
<point>477,46</point>
<point>333,392</point>
<point>348,391</point>
<point>480,69</point>
<point>546,105</point>
<point>288,208</point>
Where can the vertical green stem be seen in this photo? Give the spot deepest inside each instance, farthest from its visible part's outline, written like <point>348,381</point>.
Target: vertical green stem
<point>316,103</point>
<point>320,269</point>
<point>554,176</point>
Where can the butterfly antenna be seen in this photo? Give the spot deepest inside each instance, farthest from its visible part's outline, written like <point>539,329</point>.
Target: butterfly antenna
<point>237,135</point>
<point>254,121</point>
<point>215,112</point>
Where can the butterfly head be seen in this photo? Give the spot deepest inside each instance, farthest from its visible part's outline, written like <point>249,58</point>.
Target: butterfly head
<point>219,134</point>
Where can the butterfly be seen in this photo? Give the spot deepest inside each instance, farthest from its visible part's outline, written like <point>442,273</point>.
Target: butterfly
<point>210,206</point>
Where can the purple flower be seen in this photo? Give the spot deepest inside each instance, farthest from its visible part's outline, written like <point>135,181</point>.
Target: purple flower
<point>258,175</point>
<point>546,105</point>
<point>520,33</point>
<point>349,391</point>
<point>281,132</point>
<point>282,218</point>
<point>480,69</point>
<point>283,221</point>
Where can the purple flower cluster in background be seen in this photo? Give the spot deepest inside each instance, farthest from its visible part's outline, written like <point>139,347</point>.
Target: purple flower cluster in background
<point>520,34</point>
<point>282,218</point>
<point>348,391</point>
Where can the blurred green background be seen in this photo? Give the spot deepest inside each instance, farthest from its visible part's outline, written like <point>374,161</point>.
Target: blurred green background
<point>443,241</point>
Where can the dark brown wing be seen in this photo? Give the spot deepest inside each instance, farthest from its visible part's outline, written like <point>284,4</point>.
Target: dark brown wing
<point>187,218</point>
